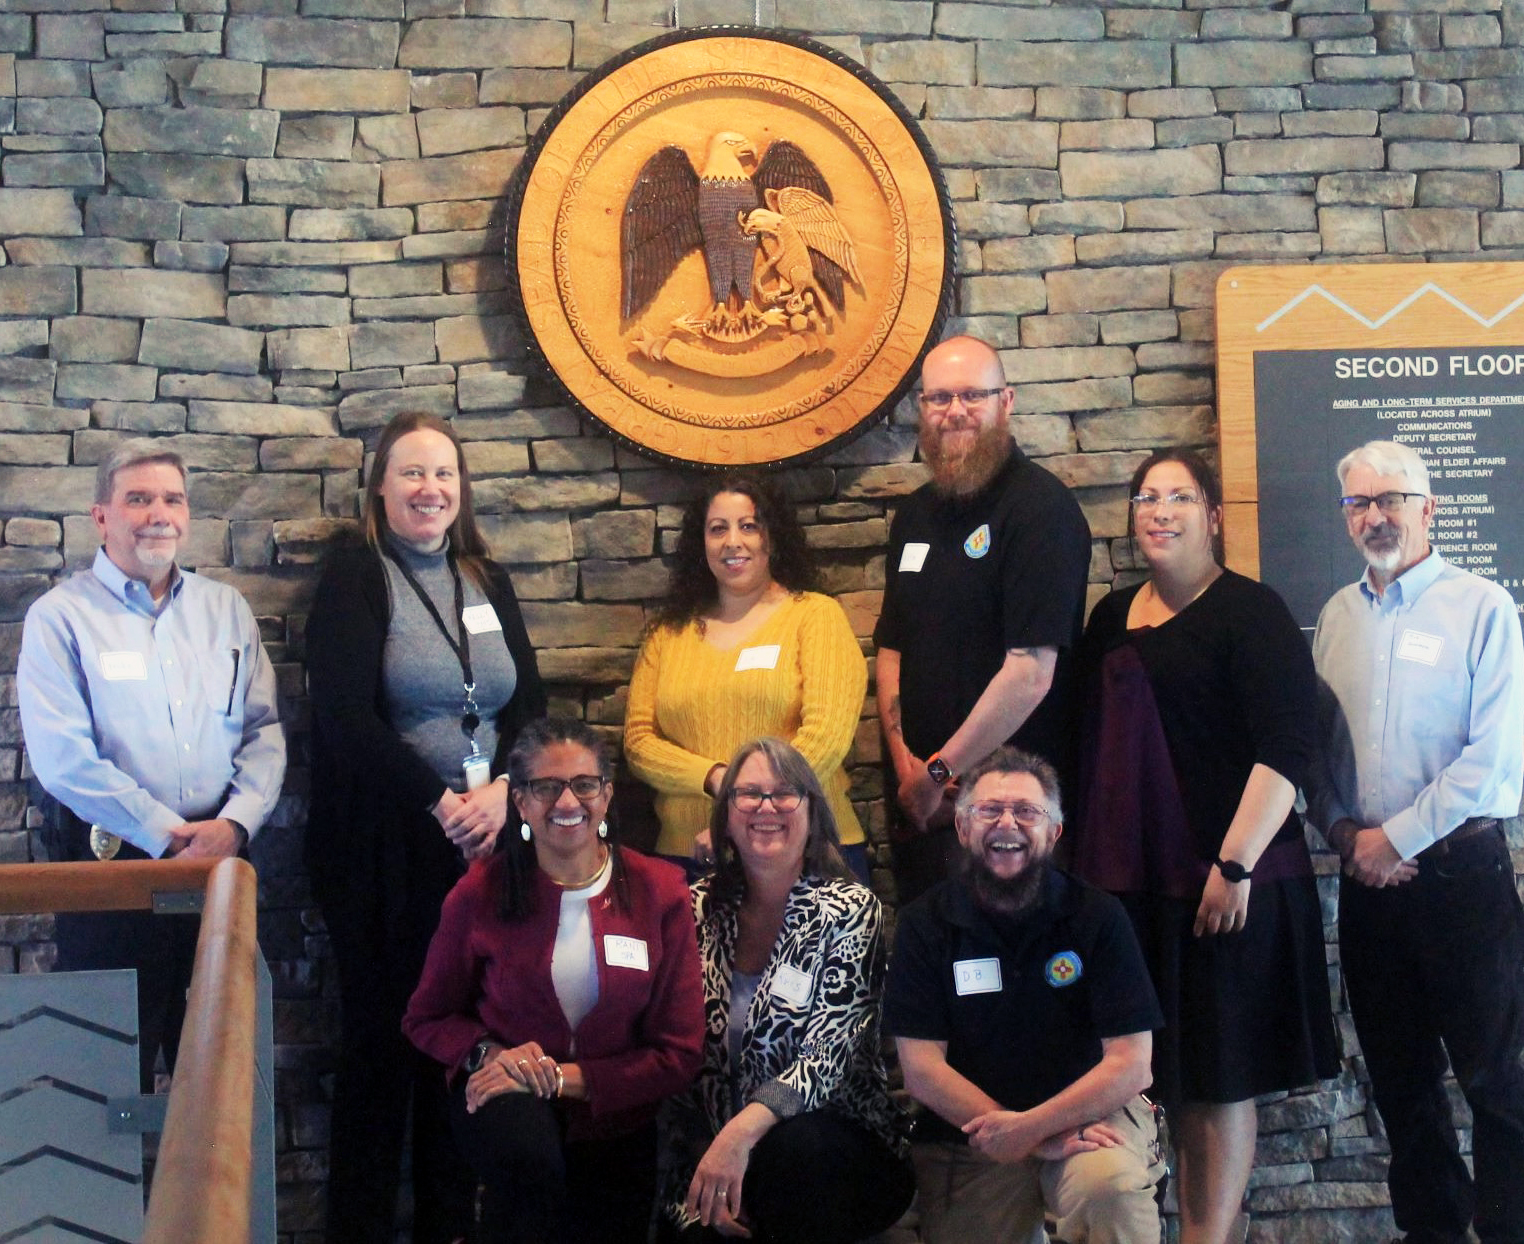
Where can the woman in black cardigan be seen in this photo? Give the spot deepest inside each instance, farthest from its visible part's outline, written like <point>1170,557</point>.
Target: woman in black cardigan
<point>421,674</point>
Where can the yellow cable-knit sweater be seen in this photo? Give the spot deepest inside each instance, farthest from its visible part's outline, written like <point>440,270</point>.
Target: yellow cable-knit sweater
<point>690,708</point>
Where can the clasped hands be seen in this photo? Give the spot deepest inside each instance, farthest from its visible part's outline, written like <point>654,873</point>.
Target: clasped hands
<point>472,821</point>
<point>1011,1136</point>
<point>1368,855</point>
<point>524,1069</point>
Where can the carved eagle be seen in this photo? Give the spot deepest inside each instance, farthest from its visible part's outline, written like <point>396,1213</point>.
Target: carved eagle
<point>673,209</point>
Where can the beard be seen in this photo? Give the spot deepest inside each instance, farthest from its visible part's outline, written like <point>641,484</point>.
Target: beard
<point>963,471</point>
<point>1385,559</point>
<point>1009,896</point>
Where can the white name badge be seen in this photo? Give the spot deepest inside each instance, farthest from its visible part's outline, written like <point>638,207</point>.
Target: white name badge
<point>792,985</point>
<point>123,667</point>
<point>1417,646</point>
<point>626,952</point>
<point>977,976</point>
<point>480,619</point>
<point>762,657</point>
<point>913,557</point>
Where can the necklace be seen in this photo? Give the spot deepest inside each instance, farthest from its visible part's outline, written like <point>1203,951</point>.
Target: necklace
<point>582,885</point>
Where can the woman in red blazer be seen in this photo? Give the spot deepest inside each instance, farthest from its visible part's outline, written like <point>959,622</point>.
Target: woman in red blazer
<point>562,993</point>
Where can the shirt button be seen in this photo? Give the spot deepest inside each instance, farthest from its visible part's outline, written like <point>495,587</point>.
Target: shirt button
<point>187,747</point>
<point>177,703</point>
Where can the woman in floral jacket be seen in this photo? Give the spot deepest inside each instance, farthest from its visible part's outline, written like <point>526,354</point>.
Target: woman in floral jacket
<point>789,1133</point>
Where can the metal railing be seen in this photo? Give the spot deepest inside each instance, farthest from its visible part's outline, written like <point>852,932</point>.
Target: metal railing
<point>214,1179</point>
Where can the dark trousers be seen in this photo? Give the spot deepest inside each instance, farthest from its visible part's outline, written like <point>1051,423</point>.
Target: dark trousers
<point>540,1188</point>
<point>819,1178</point>
<point>1435,966</point>
<point>161,948</point>
<point>384,1084</point>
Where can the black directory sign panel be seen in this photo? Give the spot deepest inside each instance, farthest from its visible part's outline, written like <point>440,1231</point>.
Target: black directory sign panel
<point>1315,360</point>
<point>1461,409</point>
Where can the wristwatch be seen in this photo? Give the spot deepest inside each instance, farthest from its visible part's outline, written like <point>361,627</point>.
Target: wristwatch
<point>1232,871</point>
<point>478,1055</point>
<point>937,769</point>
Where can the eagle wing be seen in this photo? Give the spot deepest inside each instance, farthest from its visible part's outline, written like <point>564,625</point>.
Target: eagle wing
<point>660,226</point>
<point>818,225</point>
<point>784,168</point>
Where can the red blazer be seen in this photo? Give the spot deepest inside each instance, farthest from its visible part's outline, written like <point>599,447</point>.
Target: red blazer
<point>487,977</point>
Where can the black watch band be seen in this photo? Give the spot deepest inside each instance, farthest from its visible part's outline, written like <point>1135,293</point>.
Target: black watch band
<point>1232,871</point>
<point>478,1056</point>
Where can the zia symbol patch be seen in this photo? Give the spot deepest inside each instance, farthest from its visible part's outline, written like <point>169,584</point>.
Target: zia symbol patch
<point>978,543</point>
<point>1064,968</point>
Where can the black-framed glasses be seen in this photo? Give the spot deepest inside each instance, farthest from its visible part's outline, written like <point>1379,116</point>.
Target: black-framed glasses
<point>989,813</point>
<point>1152,500</point>
<point>939,401</point>
<point>751,798</point>
<point>583,786</point>
<point>1357,505</point>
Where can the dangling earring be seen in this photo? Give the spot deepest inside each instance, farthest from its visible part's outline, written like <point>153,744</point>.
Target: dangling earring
<point>524,832</point>
<point>603,829</point>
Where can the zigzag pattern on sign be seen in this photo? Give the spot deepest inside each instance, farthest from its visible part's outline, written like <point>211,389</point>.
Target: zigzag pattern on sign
<point>54,1188</point>
<point>48,1116</point>
<point>67,1017</point>
<point>74,1159</point>
<point>86,1057</point>
<point>1428,287</point>
<point>63,1229</point>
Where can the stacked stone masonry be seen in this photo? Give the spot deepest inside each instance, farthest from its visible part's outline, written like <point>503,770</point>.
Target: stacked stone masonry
<point>258,228</point>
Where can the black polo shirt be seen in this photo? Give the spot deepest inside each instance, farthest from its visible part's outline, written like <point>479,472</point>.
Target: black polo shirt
<point>968,579</point>
<point>1022,1002</point>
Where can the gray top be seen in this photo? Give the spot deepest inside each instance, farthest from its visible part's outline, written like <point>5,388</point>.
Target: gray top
<point>421,675</point>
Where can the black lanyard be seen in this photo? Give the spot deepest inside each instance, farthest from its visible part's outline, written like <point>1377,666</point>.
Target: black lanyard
<point>460,647</point>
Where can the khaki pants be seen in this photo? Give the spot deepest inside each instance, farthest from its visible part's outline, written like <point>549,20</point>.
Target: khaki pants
<point>1102,1197</point>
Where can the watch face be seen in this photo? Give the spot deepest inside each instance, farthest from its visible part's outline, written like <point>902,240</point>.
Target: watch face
<point>940,773</point>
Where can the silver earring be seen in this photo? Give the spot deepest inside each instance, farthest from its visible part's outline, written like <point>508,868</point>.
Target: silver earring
<point>603,829</point>
<point>524,832</point>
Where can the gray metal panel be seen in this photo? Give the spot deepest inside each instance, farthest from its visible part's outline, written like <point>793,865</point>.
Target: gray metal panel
<point>68,1042</point>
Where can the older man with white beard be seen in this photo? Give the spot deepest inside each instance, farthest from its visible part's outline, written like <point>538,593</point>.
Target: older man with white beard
<point>149,710</point>
<point>1422,722</point>
<point>1023,1014</point>
<point>984,598</point>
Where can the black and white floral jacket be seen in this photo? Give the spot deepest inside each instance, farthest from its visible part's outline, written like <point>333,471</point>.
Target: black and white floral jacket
<point>811,1040</point>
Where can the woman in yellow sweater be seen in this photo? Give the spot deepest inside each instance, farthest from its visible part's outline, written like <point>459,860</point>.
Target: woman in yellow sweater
<point>740,649</point>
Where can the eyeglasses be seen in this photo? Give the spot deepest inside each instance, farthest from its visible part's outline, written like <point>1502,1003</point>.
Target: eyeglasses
<point>1389,503</point>
<point>1152,500</point>
<point>584,786</point>
<point>939,401</point>
<point>750,799</point>
<point>990,813</point>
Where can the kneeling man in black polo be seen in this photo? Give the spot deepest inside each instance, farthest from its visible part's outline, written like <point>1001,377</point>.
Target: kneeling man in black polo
<point>1023,1015</point>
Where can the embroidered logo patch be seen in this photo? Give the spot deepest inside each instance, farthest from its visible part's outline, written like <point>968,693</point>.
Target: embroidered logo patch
<point>978,544</point>
<point>1064,968</point>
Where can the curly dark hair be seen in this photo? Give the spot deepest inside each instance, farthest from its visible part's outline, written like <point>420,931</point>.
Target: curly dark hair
<point>693,590</point>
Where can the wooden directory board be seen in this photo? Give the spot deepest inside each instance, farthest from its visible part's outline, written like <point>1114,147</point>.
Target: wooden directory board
<point>1315,360</point>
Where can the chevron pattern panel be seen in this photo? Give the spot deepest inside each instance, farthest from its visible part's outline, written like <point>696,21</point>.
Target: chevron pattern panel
<point>68,1042</point>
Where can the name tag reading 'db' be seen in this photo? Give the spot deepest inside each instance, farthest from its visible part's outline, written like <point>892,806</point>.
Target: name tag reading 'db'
<point>480,619</point>
<point>913,557</point>
<point>1417,646</point>
<point>977,976</point>
<point>626,952</point>
<point>123,667</point>
<point>762,657</point>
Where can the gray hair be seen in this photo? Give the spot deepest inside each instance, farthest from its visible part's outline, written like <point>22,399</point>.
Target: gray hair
<point>1387,458</point>
<point>136,452</point>
<point>1009,760</point>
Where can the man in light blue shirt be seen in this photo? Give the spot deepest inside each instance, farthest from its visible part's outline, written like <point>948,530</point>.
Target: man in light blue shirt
<point>149,710</point>
<point>1422,720</point>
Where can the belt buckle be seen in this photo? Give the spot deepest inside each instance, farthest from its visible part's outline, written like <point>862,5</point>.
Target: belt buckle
<point>104,845</point>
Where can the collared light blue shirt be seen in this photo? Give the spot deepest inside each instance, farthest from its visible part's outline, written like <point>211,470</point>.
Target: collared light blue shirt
<point>1421,705</point>
<point>140,717</point>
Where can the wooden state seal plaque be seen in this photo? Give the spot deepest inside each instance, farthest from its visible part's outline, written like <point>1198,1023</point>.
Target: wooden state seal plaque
<point>731,246</point>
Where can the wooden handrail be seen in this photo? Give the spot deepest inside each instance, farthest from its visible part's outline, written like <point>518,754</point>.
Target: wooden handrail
<point>120,885</point>
<point>202,1182</point>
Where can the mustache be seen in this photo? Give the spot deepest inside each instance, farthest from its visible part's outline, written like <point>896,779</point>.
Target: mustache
<point>1386,531</point>
<point>157,531</point>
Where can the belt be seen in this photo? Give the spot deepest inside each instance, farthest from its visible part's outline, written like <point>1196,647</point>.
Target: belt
<point>1471,827</point>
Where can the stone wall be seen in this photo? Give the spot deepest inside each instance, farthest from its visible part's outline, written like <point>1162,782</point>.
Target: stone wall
<point>259,227</point>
